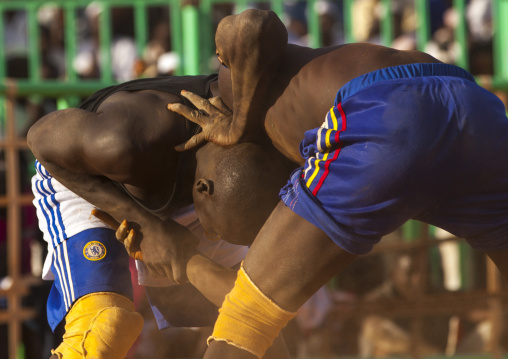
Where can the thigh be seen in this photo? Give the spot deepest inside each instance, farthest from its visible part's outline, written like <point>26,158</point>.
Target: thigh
<point>90,261</point>
<point>364,169</point>
<point>291,259</point>
<point>500,259</point>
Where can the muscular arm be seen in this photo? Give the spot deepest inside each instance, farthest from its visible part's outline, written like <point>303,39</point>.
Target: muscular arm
<point>252,45</point>
<point>183,305</point>
<point>211,279</point>
<point>84,151</point>
<point>69,144</point>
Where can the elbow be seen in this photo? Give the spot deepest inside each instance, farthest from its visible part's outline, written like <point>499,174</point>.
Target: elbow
<point>34,140</point>
<point>110,155</point>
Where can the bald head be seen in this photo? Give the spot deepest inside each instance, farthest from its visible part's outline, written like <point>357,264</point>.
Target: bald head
<point>237,188</point>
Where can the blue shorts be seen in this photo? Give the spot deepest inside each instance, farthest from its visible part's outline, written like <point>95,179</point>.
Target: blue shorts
<point>95,261</point>
<point>419,141</point>
<point>90,261</point>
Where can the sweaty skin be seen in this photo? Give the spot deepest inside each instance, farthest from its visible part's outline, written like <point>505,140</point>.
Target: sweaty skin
<point>264,40</point>
<point>86,151</point>
<point>299,87</point>
<point>248,171</point>
<point>237,188</point>
<point>131,140</point>
<point>290,258</point>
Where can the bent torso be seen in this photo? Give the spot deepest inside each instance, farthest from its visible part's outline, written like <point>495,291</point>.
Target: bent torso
<point>312,86</point>
<point>151,132</point>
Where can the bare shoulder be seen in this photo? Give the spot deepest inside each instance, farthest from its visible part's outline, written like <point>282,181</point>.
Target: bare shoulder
<point>143,133</point>
<point>137,131</point>
<point>143,114</point>
<point>331,68</point>
<point>143,100</point>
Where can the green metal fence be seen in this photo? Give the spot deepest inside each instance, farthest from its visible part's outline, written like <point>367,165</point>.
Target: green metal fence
<point>192,37</point>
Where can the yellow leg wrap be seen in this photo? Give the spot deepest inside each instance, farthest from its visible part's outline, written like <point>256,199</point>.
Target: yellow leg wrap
<point>248,319</point>
<point>100,325</point>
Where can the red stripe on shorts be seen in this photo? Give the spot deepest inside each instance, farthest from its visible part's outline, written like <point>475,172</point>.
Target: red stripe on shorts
<point>336,154</point>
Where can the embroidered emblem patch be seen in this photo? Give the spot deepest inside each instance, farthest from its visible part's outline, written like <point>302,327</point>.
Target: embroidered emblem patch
<point>94,251</point>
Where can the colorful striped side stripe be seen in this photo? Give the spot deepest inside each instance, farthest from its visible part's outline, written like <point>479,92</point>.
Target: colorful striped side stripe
<point>329,148</point>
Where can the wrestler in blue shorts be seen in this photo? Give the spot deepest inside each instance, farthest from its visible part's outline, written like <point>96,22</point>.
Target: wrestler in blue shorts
<point>406,136</point>
<point>406,142</point>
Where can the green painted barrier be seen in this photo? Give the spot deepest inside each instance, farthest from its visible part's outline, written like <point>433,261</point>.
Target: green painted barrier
<point>461,33</point>
<point>500,23</point>
<point>193,38</point>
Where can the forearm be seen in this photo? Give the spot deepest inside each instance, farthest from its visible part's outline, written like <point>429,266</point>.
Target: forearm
<point>102,193</point>
<point>61,143</point>
<point>166,245</point>
<point>211,279</point>
<point>252,44</point>
<point>86,152</point>
<point>249,105</point>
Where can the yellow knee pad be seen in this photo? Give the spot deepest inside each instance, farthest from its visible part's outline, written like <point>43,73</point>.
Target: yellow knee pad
<point>248,319</point>
<point>100,325</point>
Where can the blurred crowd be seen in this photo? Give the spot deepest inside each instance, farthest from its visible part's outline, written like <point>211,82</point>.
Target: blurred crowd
<point>330,324</point>
<point>158,58</point>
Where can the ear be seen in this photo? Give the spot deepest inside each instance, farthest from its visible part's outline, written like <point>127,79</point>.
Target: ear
<point>204,186</point>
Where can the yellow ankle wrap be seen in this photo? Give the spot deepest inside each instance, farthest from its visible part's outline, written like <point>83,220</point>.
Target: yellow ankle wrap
<point>100,325</point>
<point>248,319</point>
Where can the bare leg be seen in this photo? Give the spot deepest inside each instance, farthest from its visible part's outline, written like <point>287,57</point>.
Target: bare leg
<point>225,351</point>
<point>500,259</point>
<point>289,261</point>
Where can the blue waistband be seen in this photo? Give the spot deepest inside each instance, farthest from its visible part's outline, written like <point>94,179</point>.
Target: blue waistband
<point>398,72</point>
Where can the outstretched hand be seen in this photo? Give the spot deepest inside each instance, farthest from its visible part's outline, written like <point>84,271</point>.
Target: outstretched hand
<point>214,117</point>
<point>124,233</point>
<point>164,246</point>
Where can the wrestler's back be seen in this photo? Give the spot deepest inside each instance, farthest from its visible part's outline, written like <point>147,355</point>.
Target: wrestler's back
<point>312,84</point>
<point>145,134</point>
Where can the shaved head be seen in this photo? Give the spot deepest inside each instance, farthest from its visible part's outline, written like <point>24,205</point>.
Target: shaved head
<point>236,189</point>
